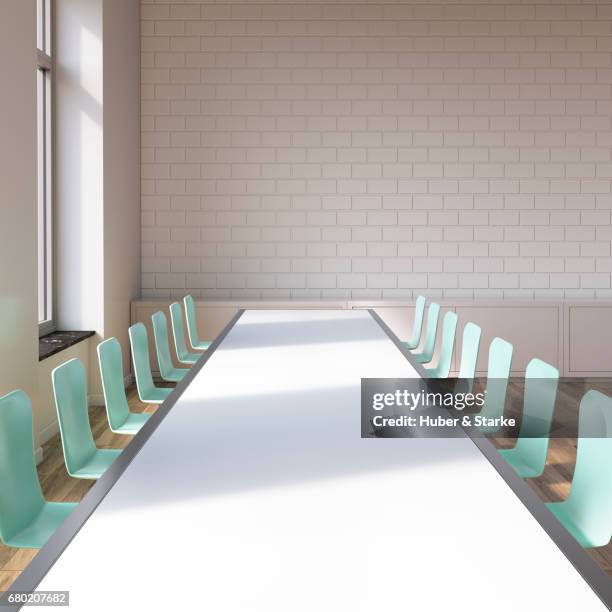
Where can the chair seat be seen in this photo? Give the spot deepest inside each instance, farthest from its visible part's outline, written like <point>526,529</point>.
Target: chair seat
<point>99,462</point>
<point>435,372</point>
<point>201,345</point>
<point>133,423</point>
<point>157,395</point>
<point>422,358</point>
<point>562,511</point>
<point>191,358</point>
<point>175,374</point>
<point>524,470</point>
<point>51,516</point>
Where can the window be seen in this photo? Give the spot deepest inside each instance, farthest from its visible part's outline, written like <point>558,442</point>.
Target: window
<point>44,75</point>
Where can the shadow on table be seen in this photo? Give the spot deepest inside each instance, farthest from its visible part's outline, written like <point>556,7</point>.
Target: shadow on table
<point>224,446</point>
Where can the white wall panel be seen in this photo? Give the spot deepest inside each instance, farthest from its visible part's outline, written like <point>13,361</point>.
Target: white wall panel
<point>589,340</point>
<point>574,337</point>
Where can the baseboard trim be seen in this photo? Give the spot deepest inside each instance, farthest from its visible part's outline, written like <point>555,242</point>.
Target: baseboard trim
<point>47,433</point>
<point>97,399</point>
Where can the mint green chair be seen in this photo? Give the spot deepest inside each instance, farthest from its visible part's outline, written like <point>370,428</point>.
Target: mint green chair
<point>417,325</point>
<point>449,329</point>
<point>470,345</point>
<point>528,457</point>
<point>160,334</point>
<point>178,331</point>
<point>425,355</point>
<point>498,372</point>
<point>587,511</point>
<point>82,458</point>
<point>147,391</point>
<point>26,519</point>
<point>192,326</point>
<point>120,419</point>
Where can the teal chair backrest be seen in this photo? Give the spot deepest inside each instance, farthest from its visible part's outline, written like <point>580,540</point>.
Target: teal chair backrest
<point>590,498</point>
<point>69,388</point>
<point>433,313</point>
<point>541,380</point>
<point>500,359</point>
<point>469,351</point>
<point>139,342</point>
<point>417,326</point>
<point>21,498</point>
<point>449,329</point>
<point>178,330</point>
<point>110,362</point>
<point>162,348</point>
<point>190,314</point>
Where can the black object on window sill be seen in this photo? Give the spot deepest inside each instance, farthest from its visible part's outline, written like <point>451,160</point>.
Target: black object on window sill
<point>53,343</point>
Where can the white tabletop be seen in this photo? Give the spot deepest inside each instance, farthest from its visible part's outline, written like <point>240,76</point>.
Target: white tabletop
<point>256,493</point>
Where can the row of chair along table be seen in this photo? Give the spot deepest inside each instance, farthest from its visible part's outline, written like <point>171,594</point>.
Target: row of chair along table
<point>587,511</point>
<point>27,520</point>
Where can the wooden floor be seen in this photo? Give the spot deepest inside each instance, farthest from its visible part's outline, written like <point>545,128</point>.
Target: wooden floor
<point>553,485</point>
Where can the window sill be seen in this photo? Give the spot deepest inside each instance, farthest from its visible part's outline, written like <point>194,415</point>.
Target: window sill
<point>53,343</point>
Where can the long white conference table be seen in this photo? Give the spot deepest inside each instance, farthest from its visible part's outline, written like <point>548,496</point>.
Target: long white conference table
<point>253,491</point>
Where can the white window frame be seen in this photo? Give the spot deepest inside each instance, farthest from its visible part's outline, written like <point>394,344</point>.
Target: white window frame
<point>44,76</point>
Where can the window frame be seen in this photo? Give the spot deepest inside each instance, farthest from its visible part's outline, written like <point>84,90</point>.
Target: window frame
<point>44,120</point>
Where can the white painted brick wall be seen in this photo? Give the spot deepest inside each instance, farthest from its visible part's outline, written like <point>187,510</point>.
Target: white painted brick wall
<point>375,150</point>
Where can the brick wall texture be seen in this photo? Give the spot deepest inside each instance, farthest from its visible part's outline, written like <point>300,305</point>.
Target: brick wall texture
<point>373,150</point>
